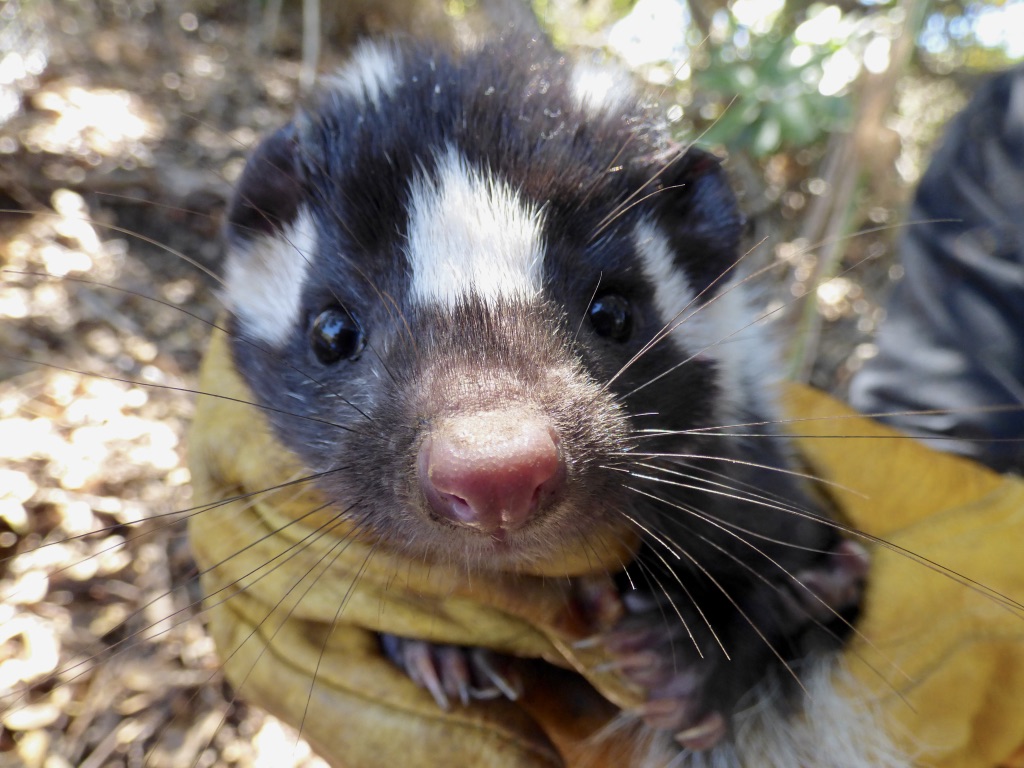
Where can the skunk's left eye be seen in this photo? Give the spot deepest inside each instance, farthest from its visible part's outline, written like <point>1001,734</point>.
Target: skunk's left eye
<point>336,335</point>
<point>611,316</point>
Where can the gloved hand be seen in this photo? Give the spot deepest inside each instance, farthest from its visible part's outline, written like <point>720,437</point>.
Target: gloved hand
<point>937,647</point>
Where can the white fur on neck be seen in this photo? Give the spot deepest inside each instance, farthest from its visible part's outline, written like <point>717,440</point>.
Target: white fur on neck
<point>263,280</point>
<point>470,233</point>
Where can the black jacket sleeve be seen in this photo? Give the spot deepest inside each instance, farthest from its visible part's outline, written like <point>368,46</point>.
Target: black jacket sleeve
<point>953,338</point>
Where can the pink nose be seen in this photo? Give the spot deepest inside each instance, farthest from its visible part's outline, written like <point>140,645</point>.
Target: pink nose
<point>490,471</point>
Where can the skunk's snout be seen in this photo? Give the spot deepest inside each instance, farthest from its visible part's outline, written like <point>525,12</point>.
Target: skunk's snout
<point>492,471</point>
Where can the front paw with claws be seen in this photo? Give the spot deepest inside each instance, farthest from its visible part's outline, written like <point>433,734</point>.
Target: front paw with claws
<point>453,672</point>
<point>696,664</point>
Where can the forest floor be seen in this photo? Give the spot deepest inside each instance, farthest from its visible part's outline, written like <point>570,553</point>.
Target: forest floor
<point>117,153</point>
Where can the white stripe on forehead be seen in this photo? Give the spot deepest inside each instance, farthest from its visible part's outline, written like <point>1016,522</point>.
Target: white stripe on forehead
<point>263,280</point>
<point>470,233</point>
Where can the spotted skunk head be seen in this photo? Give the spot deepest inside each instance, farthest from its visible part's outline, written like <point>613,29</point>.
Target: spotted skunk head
<point>470,288</point>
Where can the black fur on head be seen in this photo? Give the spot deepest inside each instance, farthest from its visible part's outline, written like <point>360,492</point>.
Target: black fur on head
<point>349,163</point>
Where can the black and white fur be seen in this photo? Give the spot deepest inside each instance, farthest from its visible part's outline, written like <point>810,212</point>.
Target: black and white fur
<point>466,214</point>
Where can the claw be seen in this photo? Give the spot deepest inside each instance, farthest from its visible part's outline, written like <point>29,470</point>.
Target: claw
<point>455,672</point>
<point>420,666</point>
<point>588,642</point>
<point>666,714</point>
<point>643,668</point>
<point>483,663</point>
<point>705,734</point>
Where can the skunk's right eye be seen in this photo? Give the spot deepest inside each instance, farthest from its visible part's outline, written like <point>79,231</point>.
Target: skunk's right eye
<point>611,316</point>
<point>336,335</point>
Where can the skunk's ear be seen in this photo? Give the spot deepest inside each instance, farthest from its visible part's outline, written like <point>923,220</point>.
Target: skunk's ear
<point>267,196</point>
<point>697,209</point>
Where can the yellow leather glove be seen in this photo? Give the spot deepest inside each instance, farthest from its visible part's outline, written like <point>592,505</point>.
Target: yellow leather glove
<point>936,646</point>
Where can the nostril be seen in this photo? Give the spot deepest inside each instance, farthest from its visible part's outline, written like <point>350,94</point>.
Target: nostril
<point>460,508</point>
<point>535,501</point>
<point>491,471</point>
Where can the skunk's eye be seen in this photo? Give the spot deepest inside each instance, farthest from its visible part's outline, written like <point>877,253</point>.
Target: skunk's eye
<point>611,317</point>
<point>335,335</point>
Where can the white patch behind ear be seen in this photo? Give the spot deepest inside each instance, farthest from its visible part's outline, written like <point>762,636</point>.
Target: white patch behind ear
<point>373,69</point>
<point>263,280</point>
<point>470,233</point>
<point>724,327</point>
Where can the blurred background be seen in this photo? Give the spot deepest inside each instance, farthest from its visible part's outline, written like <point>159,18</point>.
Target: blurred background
<point>123,124</point>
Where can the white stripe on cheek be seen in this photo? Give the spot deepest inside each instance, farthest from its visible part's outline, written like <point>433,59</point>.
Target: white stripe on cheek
<point>471,233</point>
<point>263,280</point>
<point>672,292</point>
<point>722,328</point>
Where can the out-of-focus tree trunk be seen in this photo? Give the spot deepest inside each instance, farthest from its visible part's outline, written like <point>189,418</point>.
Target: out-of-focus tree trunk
<point>866,152</point>
<point>325,30</point>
